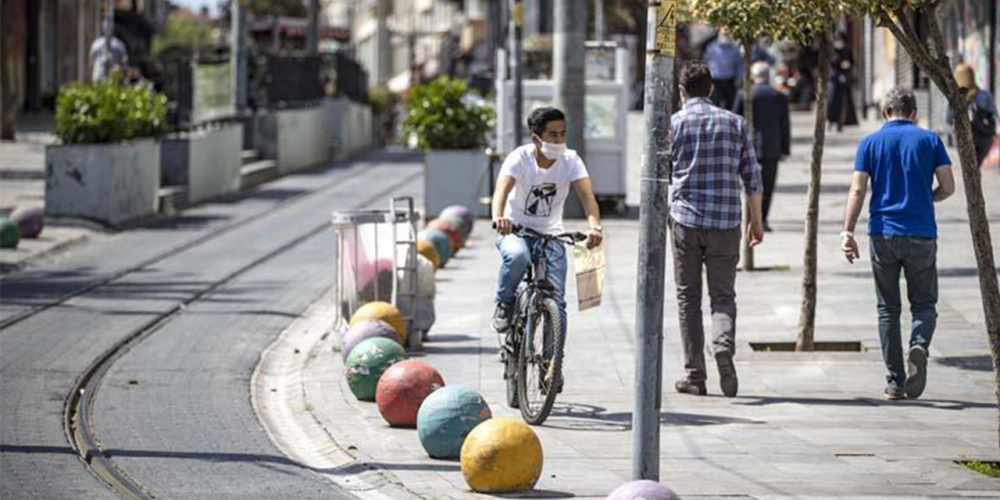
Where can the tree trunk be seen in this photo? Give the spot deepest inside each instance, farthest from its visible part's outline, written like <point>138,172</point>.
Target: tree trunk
<point>981,240</point>
<point>8,105</point>
<point>807,313</point>
<point>746,251</point>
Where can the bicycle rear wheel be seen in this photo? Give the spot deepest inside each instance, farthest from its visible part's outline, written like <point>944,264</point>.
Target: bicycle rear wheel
<point>538,374</point>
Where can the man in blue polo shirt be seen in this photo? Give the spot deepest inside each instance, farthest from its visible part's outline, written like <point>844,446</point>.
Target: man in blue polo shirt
<point>901,160</point>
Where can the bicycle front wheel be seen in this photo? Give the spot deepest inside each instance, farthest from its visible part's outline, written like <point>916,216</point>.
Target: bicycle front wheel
<point>539,373</point>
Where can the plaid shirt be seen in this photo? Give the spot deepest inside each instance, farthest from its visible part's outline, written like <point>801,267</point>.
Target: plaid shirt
<point>712,154</point>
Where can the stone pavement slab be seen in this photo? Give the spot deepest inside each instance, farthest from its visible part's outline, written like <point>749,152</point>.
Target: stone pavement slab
<point>809,425</point>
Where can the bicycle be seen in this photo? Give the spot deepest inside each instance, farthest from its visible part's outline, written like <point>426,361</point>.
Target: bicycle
<point>532,351</point>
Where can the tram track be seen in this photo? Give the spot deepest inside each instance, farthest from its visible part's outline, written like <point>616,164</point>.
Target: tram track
<point>77,414</point>
<point>360,171</point>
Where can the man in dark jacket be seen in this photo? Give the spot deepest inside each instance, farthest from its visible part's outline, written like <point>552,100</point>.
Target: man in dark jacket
<point>772,131</point>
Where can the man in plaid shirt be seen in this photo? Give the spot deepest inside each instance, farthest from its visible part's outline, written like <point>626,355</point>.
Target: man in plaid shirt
<point>713,162</point>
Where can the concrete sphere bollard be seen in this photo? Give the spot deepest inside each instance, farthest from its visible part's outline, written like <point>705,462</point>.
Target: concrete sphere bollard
<point>364,330</point>
<point>464,213</point>
<point>643,490</point>
<point>424,315</point>
<point>458,221</point>
<point>426,286</point>
<point>501,455</point>
<point>446,417</point>
<point>383,311</point>
<point>426,249</point>
<point>367,362</point>
<point>29,220</point>
<point>10,235</point>
<point>402,388</point>
<point>441,243</point>
<point>456,240</point>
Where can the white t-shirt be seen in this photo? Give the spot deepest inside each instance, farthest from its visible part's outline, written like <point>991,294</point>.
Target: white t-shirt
<point>537,200</point>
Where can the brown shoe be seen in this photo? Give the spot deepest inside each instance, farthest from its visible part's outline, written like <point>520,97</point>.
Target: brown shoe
<point>685,386</point>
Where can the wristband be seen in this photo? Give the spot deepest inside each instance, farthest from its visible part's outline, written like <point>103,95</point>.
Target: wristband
<point>847,234</point>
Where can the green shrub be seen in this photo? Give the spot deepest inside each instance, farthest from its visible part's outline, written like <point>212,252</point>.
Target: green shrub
<point>108,112</point>
<point>443,116</point>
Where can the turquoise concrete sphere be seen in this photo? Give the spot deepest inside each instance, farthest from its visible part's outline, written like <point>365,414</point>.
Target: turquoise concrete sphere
<point>441,243</point>
<point>446,417</point>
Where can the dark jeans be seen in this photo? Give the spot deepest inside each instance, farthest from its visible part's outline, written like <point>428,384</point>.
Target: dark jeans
<point>724,93</point>
<point>769,172</point>
<point>916,258</point>
<point>718,251</point>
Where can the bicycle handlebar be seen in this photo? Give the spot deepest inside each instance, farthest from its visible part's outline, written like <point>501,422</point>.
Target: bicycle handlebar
<point>569,238</point>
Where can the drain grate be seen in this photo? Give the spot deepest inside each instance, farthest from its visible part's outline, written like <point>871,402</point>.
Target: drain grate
<point>824,346</point>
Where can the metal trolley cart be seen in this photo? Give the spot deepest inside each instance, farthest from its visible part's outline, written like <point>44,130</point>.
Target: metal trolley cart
<point>377,261</point>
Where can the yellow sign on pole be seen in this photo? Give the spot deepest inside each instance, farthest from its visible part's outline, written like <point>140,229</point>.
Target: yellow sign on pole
<point>666,28</point>
<point>517,14</point>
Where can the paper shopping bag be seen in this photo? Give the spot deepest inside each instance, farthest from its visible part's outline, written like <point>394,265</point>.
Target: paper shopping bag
<point>589,265</point>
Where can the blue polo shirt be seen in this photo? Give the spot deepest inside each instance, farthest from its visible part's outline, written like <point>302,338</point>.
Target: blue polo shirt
<point>901,159</point>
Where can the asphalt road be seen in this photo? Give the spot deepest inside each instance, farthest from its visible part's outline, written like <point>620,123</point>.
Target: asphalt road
<point>174,412</point>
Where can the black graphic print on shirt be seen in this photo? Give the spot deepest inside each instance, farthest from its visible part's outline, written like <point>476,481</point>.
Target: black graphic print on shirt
<point>539,201</point>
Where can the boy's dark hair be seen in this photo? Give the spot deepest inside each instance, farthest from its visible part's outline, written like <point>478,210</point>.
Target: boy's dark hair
<point>540,118</point>
<point>696,79</point>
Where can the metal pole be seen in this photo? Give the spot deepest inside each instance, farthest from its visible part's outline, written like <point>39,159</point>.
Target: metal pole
<point>568,67</point>
<point>238,54</point>
<point>660,44</point>
<point>312,37</point>
<point>516,25</point>
<point>599,20</point>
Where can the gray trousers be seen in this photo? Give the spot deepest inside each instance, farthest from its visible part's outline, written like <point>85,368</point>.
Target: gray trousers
<point>718,251</point>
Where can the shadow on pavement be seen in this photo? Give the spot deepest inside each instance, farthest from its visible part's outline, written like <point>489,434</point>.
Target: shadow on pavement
<point>583,417</point>
<point>975,363</point>
<point>939,404</point>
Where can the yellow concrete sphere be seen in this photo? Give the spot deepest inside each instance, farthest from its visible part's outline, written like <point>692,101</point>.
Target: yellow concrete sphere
<point>501,455</point>
<point>382,311</point>
<point>427,249</point>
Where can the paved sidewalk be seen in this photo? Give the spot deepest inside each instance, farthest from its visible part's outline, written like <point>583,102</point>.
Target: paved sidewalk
<point>22,184</point>
<point>804,425</point>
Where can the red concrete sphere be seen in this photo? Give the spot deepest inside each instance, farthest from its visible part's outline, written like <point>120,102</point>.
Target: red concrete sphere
<point>403,388</point>
<point>456,239</point>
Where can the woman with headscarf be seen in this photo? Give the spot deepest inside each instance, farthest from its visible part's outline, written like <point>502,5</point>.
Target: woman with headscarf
<point>840,109</point>
<point>982,111</point>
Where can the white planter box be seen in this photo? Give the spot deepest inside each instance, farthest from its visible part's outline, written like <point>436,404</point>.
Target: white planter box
<point>109,183</point>
<point>296,139</point>
<point>207,162</point>
<point>455,177</point>
<point>349,126</point>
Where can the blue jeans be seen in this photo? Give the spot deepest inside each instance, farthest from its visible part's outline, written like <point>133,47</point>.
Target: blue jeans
<point>516,253</point>
<point>916,258</point>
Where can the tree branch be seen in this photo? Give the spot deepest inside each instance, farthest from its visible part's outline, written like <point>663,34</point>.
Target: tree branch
<point>936,36</point>
<point>920,56</point>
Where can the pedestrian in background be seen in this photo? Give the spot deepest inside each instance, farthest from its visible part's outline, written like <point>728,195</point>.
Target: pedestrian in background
<point>901,161</point>
<point>713,164</point>
<point>772,129</point>
<point>982,111</point>
<point>840,110</point>
<point>725,61</point>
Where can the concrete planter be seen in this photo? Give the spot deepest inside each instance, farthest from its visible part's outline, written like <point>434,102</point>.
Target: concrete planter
<point>349,125</point>
<point>296,139</point>
<point>455,177</point>
<point>207,162</point>
<point>109,183</point>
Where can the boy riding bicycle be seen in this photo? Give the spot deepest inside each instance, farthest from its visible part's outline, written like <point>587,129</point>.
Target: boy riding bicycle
<point>531,190</point>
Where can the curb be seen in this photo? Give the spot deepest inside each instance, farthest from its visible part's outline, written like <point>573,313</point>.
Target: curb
<point>278,396</point>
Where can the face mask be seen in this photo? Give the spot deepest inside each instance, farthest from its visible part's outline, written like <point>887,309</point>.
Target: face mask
<point>552,150</point>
